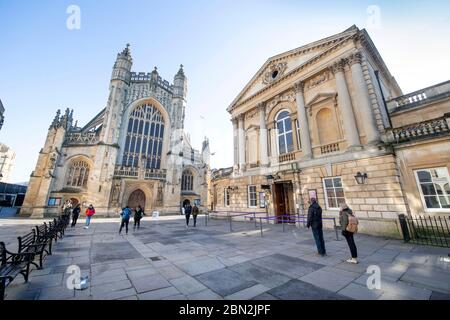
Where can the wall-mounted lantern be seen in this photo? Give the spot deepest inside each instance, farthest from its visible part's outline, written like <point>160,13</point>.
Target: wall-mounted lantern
<point>361,177</point>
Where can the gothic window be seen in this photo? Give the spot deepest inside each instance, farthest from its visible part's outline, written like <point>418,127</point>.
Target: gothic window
<point>144,137</point>
<point>187,181</point>
<point>285,136</point>
<point>78,174</point>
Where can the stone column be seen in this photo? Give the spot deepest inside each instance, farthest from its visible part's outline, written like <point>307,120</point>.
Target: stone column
<point>235,143</point>
<point>345,105</point>
<point>241,143</point>
<point>305,138</point>
<point>363,99</point>
<point>263,154</point>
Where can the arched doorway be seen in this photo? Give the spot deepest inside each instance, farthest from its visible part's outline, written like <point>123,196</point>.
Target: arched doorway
<point>137,198</point>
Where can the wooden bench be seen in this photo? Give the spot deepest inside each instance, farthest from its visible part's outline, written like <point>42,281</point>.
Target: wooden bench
<point>11,265</point>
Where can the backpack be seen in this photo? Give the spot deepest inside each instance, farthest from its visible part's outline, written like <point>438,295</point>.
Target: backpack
<point>352,224</point>
<point>126,213</point>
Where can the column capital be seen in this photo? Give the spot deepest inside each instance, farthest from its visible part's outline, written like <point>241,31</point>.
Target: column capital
<point>354,58</point>
<point>338,66</point>
<point>234,120</point>
<point>240,116</point>
<point>261,106</point>
<point>299,86</point>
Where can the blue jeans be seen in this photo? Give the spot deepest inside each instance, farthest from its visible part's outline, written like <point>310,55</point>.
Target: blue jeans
<point>88,221</point>
<point>318,237</point>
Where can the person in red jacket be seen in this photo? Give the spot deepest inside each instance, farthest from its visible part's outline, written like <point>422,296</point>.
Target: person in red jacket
<point>90,211</point>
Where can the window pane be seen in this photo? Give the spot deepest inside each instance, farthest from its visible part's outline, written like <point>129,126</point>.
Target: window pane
<point>337,182</point>
<point>332,202</point>
<point>438,188</point>
<point>288,124</point>
<point>432,202</point>
<point>339,192</point>
<point>441,172</point>
<point>428,189</point>
<point>328,183</point>
<point>290,142</point>
<point>280,127</point>
<point>445,202</point>
<point>281,145</point>
<point>424,176</point>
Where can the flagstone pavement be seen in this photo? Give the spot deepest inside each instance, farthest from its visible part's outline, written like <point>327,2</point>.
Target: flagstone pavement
<point>164,260</point>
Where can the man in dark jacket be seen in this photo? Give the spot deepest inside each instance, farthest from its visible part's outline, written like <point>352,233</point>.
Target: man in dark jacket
<point>315,222</point>
<point>187,213</point>
<point>75,215</point>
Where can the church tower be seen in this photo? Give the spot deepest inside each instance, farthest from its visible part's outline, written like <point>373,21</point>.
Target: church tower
<point>108,148</point>
<point>43,176</point>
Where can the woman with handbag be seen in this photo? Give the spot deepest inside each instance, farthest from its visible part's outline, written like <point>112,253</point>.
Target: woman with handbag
<point>349,224</point>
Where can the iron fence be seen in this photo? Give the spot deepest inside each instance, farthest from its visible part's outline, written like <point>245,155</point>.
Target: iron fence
<point>426,230</point>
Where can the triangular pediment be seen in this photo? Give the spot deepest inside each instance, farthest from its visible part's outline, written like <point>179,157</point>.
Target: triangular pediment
<point>275,68</point>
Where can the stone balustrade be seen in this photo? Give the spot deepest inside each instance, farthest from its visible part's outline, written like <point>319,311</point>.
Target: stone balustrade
<point>421,129</point>
<point>79,138</point>
<point>419,97</point>
<point>329,148</point>
<point>286,157</point>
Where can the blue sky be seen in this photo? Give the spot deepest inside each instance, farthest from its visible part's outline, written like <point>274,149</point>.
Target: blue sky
<point>45,66</point>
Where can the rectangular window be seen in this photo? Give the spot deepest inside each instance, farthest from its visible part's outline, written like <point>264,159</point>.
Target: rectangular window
<point>54,202</point>
<point>226,197</point>
<point>334,192</point>
<point>434,187</point>
<point>252,197</point>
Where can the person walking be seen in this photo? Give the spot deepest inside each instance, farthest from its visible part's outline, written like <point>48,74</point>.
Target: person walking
<point>90,211</point>
<point>195,214</point>
<point>349,225</point>
<point>138,215</point>
<point>187,213</point>
<point>125,214</point>
<point>315,223</point>
<point>75,214</point>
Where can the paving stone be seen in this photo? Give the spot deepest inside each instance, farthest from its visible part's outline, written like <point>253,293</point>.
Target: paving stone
<point>187,285</point>
<point>205,295</point>
<point>149,283</point>
<point>114,295</point>
<point>265,296</point>
<point>107,288</point>
<point>199,266</point>
<point>289,266</point>
<point>158,294</point>
<point>359,292</point>
<point>45,281</point>
<point>299,290</point>
<point>171,272</point>
<point>435,295</point>
<point>225,282</point>
<point>331,279</point>
<point>264,276</point>
<point>248,293</point>
<point>431,278</point>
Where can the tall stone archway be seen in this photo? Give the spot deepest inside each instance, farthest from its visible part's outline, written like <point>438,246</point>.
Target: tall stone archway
<point>136,198</point>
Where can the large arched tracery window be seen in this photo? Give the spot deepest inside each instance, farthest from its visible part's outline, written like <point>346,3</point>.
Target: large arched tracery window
<point>78,174</point>
<point>144,137</point>
<point>284,129</point>
<point>187,181</point>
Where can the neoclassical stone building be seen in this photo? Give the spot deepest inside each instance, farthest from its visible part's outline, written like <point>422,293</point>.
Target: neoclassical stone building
<point>134,152</point>
<point>324,121</point>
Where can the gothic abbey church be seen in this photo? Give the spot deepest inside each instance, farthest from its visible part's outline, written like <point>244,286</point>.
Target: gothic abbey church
<point>134,152</point>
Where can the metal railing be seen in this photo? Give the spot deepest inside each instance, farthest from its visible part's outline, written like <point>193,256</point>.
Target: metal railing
<point>432,231</point>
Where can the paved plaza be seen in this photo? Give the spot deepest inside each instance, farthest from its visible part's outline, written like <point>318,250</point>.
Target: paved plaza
<point>164,260</point>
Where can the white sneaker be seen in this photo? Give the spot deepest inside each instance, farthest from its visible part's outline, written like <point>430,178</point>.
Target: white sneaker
<point>352,260</point>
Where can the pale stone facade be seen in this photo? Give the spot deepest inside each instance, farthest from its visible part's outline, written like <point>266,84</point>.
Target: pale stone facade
<point>7,160</point>
<point>309,121</point>
<point>134,152</point>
